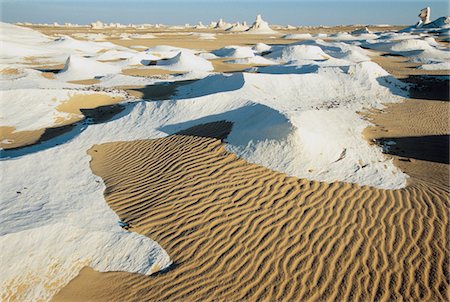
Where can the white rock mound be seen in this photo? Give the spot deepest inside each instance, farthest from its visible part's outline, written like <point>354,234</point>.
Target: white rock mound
<point>141,58</point>
<point>97,25</point>
<point>237,27</point>
<point>186,61</point>
<point>261,47</point>
<point>166,51</point>
<point>256,60</point>
<point>299,52</point>
<point>81,68</point>
<point>236,52</point>
<point>285,146</point>
<point>297,36</point>
<point>436,66</point>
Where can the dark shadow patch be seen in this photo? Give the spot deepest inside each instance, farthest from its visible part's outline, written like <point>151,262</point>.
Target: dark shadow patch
<point>211,84</point>
<point>103,113</point>
<point>433,148</point>
<point>219,130</point>
<point>187,89</point>
<point>429,87</point>
<point>49,70</point>
<point>252,123</point>
<point>289,69</point>
<point>51,133</point>
<point>160,91</point>
<point>392,55</point>
<point>394,85</point>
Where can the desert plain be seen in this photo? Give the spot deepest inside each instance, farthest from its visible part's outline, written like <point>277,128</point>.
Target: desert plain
<point>225,163</point>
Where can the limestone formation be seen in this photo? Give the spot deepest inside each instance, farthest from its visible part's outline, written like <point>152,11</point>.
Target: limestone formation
<point>260,27</point>
<point>97,25</point>
<point>424,16</point>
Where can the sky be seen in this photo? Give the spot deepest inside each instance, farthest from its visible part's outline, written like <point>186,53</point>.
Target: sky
<point>284,12</point>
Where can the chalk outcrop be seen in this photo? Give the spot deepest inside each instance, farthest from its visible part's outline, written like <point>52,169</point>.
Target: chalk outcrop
<point>222,24</point>
<point>97,25</point>
<point>424,16</point>
<point>424,24</point>
<point>260,27</point>
<point>236,27</point>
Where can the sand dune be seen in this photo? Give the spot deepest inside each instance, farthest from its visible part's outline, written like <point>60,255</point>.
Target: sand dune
<point>238,231</point>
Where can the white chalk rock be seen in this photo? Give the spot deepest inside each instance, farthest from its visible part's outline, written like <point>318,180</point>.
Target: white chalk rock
<point>424,16</point>
<point>222,24</point>
<point>80,68</point>
<point>298,52</point>
<point>97,25</point>
<point>260,27</point>
<point>186,61</point>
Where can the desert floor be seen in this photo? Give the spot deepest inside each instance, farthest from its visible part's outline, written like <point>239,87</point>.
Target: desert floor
<point>238,231</point>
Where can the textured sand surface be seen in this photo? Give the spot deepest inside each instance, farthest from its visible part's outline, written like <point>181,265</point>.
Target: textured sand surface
<point>237,231</point>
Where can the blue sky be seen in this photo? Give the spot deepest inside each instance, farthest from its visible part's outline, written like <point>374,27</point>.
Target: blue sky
<point>295,12</point>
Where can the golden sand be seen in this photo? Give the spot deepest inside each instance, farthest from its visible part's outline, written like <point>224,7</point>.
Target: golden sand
<point>238,231</point>
<point>220,65</point>
<point>10,139</point>
<point>85,82</point>
<point>9,71</point>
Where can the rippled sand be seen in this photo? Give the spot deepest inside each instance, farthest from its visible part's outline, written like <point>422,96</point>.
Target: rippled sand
<point>238,231</point>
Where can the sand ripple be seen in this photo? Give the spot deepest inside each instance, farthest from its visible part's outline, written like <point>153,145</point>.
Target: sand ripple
<point>238,231</point>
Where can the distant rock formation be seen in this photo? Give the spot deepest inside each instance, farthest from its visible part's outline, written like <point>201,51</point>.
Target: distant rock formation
<point>97,25</point>
<point>238,27</point>
<point>424,16</point>
<point>260,27</point>
<point>200,25</point>
<point>424,23</point>
<point>222,25</point>
<point>114,25</point>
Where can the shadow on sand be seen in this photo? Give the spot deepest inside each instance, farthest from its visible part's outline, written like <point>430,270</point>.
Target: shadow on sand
<point>53,137</point>
<point>429,87</point>
<point>433,148</point>
<point>219,130</point>
<point>188,89</point>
